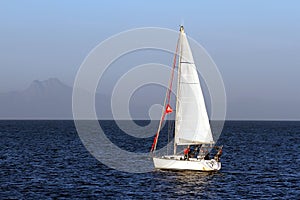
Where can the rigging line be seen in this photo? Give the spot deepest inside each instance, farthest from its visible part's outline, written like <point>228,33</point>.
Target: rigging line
<point>173,69</point>
<point>170,130</point>
<point>168,96</point>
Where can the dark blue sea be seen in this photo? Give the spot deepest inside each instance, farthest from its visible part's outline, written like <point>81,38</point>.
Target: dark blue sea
<point>47,160</point>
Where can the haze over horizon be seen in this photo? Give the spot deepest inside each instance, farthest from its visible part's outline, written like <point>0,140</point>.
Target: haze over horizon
<point>255,44</point>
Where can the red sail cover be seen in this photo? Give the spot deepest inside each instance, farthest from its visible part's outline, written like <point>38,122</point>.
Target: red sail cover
<point>154,142</point>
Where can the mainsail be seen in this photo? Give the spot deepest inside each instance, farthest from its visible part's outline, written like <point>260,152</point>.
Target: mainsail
<point>192,123</point>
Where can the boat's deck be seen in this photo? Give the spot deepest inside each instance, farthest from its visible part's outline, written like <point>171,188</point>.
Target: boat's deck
<point>181,157</point>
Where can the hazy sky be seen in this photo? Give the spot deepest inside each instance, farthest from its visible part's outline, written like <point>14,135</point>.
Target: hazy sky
<point>255,44</point>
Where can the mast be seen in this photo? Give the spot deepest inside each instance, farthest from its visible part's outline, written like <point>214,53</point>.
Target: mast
<point>178,86</point>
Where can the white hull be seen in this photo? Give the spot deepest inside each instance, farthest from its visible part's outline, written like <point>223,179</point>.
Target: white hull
<point>174,163</point>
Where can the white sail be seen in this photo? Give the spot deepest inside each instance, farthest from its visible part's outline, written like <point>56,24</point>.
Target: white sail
<point>192,123</point>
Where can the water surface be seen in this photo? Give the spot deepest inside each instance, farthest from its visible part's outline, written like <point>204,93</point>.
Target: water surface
<point>46,159</point>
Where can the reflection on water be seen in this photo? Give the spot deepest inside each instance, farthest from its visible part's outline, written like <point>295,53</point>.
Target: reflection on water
<point>192,182</point>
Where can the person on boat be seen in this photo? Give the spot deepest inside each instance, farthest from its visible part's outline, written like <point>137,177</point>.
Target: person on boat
<point>207,156</point>
<point>197,150</point>
<point>218,154</point>
<point>192,151</point>
<point>186,153</point>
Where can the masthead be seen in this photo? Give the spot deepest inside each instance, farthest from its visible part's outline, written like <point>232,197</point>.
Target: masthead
<point>181,29</point>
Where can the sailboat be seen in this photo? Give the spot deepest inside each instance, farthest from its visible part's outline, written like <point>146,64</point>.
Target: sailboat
<point>192,127</point>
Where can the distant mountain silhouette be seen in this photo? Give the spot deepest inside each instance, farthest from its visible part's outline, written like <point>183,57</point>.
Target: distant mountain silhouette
<point>52,99</point>
<point>42,99</point>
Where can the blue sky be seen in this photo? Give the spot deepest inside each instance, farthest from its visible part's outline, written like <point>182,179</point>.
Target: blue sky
<point>255,44</point>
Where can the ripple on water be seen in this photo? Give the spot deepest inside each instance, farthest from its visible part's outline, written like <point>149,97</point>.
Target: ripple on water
<point>46,159</point>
